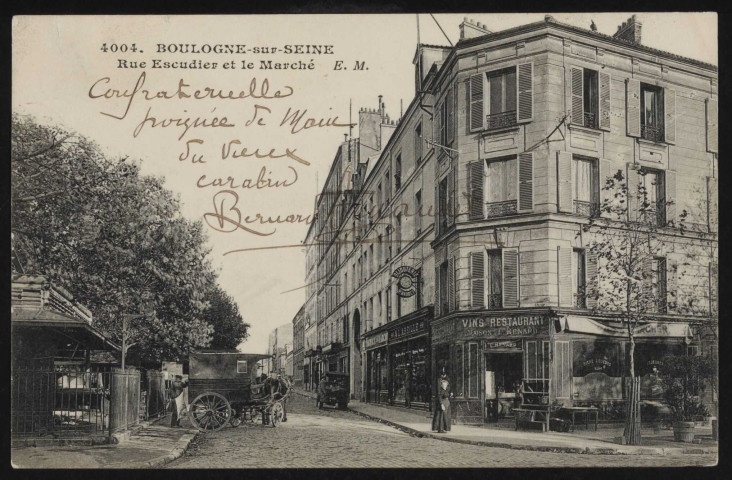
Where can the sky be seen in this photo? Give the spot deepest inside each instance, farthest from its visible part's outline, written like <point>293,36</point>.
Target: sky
<point>59,63</point>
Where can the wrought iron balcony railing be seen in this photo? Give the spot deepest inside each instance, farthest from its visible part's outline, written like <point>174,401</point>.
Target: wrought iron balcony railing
<point>580,298</point>
<point>586,209</point>
<point>500,209</point>
<point>495,300</point>
<point>500,120</point>
<point>590,120</point>
<point>652,133</point>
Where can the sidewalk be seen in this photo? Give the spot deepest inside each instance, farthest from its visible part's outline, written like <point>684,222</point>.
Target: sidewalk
<point>151,446</point>
<point>603,441</point>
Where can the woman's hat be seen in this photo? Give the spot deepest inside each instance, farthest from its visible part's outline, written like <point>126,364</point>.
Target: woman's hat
<point>444,375</point>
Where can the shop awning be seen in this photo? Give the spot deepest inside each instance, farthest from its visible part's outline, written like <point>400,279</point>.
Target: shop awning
<point>586,325</point>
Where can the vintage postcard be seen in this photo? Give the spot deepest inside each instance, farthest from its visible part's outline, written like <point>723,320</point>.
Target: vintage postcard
<point>408,240</point>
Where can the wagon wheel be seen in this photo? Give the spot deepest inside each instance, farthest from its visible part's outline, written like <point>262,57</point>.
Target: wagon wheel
<point>277,413</point>
<point>210,411</point>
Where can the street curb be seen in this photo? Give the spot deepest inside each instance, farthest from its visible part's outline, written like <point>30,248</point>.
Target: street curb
<point>181,446</point>
<point>669,451</point>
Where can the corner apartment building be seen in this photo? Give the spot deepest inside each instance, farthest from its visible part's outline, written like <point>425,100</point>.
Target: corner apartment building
<point>506,144</point>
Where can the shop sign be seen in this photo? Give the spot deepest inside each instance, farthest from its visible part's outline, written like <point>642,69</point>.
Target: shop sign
<point>375,340</point>
<point>408,329</point>
<point>407,278</point>
<point>497,327</point>
<point>502,345</point>
<point>443,332</point>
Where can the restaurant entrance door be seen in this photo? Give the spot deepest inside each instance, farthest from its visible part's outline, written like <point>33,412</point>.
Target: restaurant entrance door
<point>503,373</point>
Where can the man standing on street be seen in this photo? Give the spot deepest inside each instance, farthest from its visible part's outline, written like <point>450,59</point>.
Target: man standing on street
<point>176,399</point>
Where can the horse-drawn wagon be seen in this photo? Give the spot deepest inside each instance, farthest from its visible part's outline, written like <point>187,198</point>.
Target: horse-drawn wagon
<point>225,389</point>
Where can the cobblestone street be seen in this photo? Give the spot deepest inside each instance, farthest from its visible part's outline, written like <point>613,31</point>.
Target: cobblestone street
<point>332,438</point>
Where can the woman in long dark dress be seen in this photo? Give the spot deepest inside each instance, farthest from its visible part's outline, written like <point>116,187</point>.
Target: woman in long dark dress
<point>441,417</point>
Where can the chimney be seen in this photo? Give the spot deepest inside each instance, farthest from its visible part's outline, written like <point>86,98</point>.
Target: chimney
<point>471,29</point>
<point>629,31</point>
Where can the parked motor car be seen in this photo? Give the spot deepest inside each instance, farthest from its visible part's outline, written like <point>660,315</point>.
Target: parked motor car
<point>333,389</point>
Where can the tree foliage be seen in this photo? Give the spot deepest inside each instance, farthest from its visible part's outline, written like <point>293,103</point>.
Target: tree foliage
<point>115,239</point>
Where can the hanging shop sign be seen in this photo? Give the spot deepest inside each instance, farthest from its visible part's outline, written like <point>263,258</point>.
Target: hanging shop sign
<point>407,278</point>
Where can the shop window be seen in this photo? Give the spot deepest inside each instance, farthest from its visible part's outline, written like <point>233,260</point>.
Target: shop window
<point>586,186</point>
<point>651,112</point>
<point>473,378</point>
<point>501,98</point>
<point>459,370</point>
<point>579,278</point>
<point>501,186</point>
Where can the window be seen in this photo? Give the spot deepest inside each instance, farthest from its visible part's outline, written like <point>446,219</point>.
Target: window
<point>366,266</point>
<point>590,98</point>
<point>399,232</point>
<point>444,307</point>
<point>501,98</point>
<point>651,113</point>
<point>380,315</point>
<point>659,284</point>
<point>418,144</point>
<point>241,366</point>
<point>418,295</point>
<point>653,188</point>
<point>372,265</point>
<point>399,306</point>
<point>353,277</point>
<point>388,243</point>
<point>388,304</point>
<point>501,186</point>
<point>494,279</point>
<point>379,251</point>
<point>586,186</point>
<point>398,172</point>
<point>418,212</point>
<point>579,276</point>
<point>442,199</point>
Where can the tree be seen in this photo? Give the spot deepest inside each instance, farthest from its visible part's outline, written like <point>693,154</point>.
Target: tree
<point>626,240</point>
<point>115,239</point>
<point>223,314</point>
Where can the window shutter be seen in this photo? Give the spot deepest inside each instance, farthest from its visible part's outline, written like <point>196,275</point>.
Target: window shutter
<point>670,186</point>
<point>713,288</point>
<point>564,181</point>
<point>510,277</point>
<point>604,108</point>
<point>451,284</point>
<point>451,197</point>
<point>633,179</point>
<point>564,275</point>
<point>477,279</point>
<point>592,290</point>
<point>475,189</point>
<point>607,170</point>
<point>525,92</point>
<point>578,106</point>
<point>669,112</point>
<point>526,182</point>
<point>632,110</point>
<point>672,284</point>
<point>712,125</point>
<point>646,285</point>
<point>437,124</point>
<point>450,115</point>
<point>477,117</point>
<point>438,290</point>
<point>712,204</point>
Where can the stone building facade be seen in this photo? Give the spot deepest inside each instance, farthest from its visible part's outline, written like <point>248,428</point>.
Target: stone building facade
<point>505,149</point>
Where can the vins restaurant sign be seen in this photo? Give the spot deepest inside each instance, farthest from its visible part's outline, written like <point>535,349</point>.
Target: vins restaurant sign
<point>492,327</point>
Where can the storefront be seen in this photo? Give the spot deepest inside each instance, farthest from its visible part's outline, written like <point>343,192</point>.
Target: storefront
<point>599,353</point>
<point>489,360</point>
<point>398,361</point>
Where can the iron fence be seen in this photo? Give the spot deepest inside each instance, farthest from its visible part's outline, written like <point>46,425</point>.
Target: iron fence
<point>500,120</point>
<point>590,120</point>
<point>72,400</point>
<point>652,133</point>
